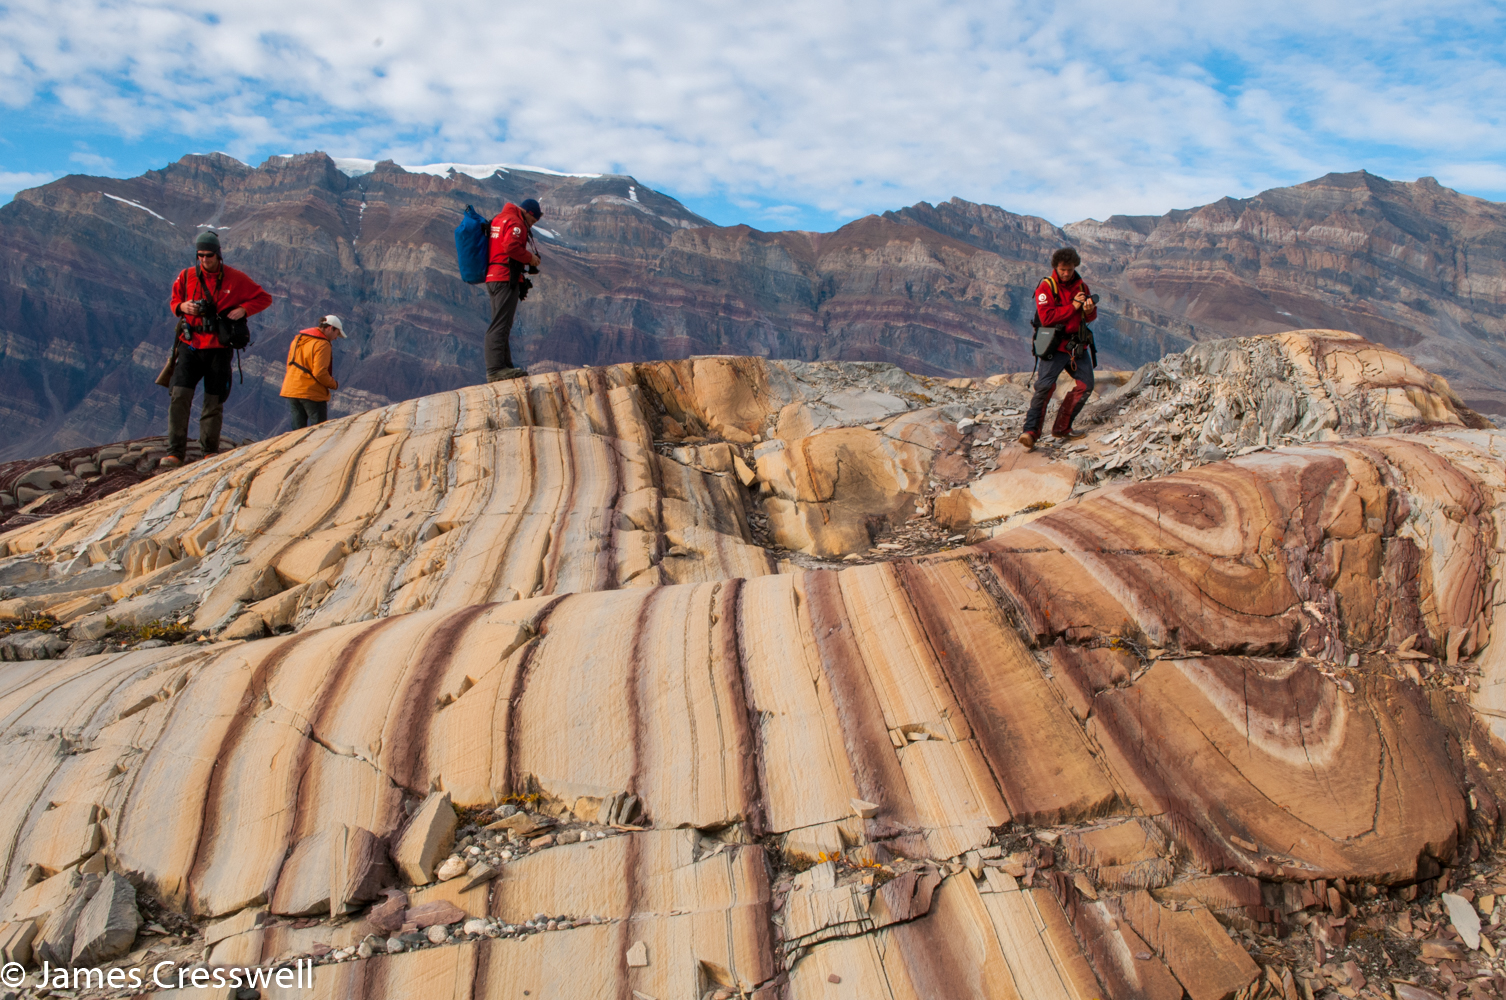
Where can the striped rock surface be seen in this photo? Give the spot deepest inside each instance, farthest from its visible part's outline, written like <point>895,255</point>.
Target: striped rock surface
<point>849,778</point>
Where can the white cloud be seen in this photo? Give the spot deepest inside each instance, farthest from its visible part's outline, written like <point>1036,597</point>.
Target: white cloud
<point>846,106</point>
<point>13,181</point>
<point>92,161</point>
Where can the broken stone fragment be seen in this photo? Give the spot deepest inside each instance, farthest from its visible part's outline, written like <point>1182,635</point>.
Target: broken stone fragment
<point>246,920</point>
<point>453,867</point>
<point>745,475</point>
<point>1440,948</point>
<point>428,837</point>
<point>440,911</point>
<point>620,809</point>
<point>387,916</point>
<point>15,941</point>
<point>865,809</point>
<point>1406,991</point>
<point>56,942</point>
<point>479,875</point>
<point>248,626</point>
<point>107,926</point>
<point>637,955</point>
<point>522,823</point>
<point>1466,921</point>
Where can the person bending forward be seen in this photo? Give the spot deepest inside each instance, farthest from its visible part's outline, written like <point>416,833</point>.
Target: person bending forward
<point>310,375</point>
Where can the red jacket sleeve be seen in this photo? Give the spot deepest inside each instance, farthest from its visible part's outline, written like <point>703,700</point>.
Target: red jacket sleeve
<point>243,292</point>
<point>180,292</point>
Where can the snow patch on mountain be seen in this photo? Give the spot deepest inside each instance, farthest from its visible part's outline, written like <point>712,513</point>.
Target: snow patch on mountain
<point>136,204</point>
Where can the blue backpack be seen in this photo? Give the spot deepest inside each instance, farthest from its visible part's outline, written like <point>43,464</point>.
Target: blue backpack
<point>473,246</point>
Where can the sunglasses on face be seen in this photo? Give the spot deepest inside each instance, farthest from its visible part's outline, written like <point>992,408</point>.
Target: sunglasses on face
<point>210,254</point>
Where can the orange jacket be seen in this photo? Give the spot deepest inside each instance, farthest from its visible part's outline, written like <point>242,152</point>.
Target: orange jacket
<point>309,375</point>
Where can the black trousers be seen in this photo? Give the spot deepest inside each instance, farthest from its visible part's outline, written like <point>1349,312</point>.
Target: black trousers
<point>212,367</point>
<point>498,349</point>
<point>308,411</point>
<point>1045,384</point>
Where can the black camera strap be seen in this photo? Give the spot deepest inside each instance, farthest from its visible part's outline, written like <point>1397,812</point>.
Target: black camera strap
<point>214,299</point>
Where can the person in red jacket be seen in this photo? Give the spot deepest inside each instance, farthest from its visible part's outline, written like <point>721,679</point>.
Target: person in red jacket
<point>510,252</point>
<point>201,354</point>
<point>1062,301</point>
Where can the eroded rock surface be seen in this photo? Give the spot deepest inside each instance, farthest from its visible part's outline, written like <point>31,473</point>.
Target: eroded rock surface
<point>1094,754</point>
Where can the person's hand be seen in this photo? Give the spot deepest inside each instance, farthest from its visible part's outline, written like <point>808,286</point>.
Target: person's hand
<point>236,313</point>
<point>192,308</point>
<point>536,260</point>
<point>1078,300</point>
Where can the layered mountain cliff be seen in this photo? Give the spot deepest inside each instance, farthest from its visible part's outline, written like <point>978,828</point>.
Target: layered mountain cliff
<point>630,274</point>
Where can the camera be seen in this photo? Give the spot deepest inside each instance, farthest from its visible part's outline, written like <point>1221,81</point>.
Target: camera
<point>530,269</point>
<point>206,307</point>
<point>524,286</point>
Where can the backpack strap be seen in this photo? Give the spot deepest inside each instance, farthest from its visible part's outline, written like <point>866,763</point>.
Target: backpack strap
<point>296,364</point>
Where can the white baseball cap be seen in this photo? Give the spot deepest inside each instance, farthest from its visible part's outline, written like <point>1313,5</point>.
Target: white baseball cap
<point>334,321</point>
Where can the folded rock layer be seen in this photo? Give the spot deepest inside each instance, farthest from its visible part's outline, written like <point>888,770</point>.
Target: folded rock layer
<point>518,595</point>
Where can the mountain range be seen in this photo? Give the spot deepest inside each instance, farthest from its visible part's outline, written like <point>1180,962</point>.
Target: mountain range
<point>630,273</point>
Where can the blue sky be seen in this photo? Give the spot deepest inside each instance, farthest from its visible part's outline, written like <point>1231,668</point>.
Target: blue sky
<point>778,114</point>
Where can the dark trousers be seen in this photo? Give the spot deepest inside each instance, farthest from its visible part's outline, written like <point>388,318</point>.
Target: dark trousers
<point>1051,369</point>
<point>212,367</point>
<point>308,411</point>
<point>498,350</point>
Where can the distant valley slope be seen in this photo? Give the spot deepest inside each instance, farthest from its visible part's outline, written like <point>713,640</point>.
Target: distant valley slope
<point>630,274</point>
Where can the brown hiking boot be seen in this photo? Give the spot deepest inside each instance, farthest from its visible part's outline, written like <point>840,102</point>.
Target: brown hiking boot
<point>1071,436</point>
<point>1027,441</point>
<point>169,462</point>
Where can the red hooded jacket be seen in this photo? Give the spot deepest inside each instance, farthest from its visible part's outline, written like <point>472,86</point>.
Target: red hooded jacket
<point>228,287</point>
<point>509,241</point>
<point>1053,303</point>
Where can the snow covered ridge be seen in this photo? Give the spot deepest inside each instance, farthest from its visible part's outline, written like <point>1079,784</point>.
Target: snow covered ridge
<point>355,167</point>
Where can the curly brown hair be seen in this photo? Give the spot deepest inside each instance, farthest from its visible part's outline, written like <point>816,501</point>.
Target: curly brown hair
<point>1066,255</point>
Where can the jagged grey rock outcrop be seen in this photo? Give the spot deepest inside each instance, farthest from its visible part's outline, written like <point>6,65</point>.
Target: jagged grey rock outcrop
<point>107,925</point>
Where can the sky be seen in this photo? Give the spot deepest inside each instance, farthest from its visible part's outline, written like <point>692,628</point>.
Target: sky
<point>777,114</point>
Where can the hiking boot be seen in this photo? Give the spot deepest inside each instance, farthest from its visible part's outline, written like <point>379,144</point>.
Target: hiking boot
<point>1027,441</point>
<point>169,462</point>
<point>507,374</point>
<point>1071,436</point>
